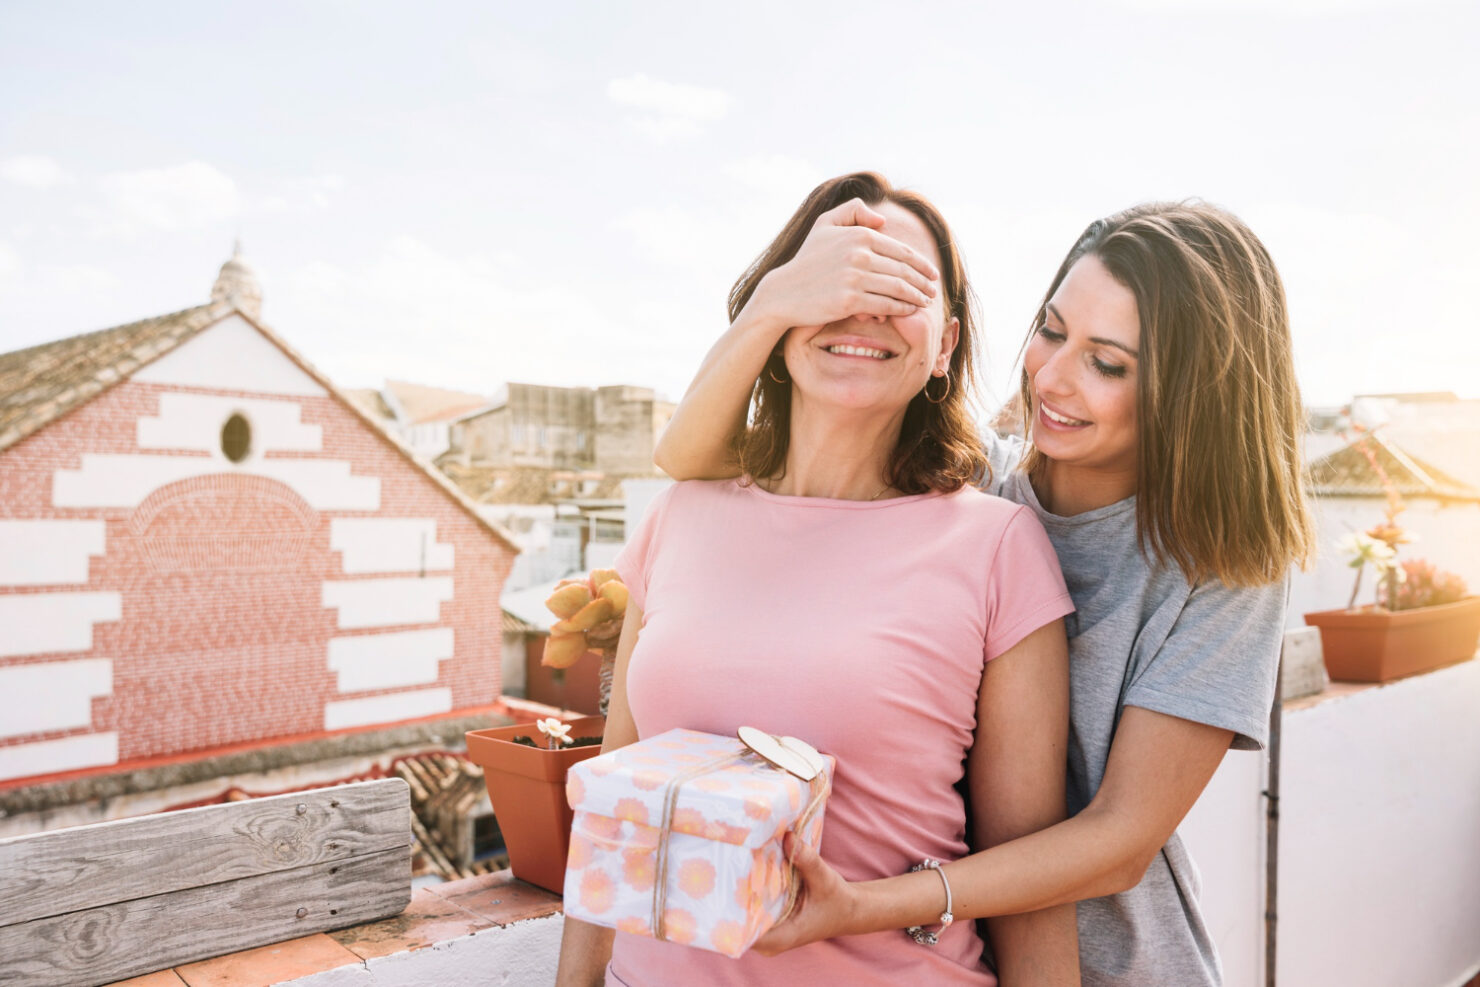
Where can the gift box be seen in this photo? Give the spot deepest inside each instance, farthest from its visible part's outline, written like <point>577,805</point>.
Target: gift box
<point>679,837</point>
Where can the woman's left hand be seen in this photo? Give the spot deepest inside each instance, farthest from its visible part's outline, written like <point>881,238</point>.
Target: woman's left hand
<point>826,904</point>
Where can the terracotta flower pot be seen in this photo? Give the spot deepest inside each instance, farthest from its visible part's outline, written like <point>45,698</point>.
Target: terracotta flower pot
<point>1372,645</point>
<point>527,788</point>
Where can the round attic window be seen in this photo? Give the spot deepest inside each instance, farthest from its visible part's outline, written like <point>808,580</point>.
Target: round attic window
<point>236,438</point>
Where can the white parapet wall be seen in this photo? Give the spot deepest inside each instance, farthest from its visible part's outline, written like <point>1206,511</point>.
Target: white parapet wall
<point>523,954</point>
<point>1380,835</point>
<point>1379,840</point>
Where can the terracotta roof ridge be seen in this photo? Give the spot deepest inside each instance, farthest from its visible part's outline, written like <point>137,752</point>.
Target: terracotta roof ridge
<point>78,337</point>
<point>35,391</point>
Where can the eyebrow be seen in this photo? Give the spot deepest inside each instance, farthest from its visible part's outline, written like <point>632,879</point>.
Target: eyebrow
<point>1101,340</point>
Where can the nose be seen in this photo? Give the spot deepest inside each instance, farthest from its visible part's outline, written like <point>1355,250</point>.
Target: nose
<point>871,318</point>
<point>1052,377</point>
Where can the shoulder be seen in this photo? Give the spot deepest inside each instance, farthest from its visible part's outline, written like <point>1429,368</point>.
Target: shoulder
<point>1001,532</point>
<point>688,497</point>
<point>983,510</point>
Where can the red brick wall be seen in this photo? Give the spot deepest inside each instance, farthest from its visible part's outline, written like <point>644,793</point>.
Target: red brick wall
<point>223,637</point>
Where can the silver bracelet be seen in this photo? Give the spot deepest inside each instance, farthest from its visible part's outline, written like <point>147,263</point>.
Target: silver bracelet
<point>917,932</point>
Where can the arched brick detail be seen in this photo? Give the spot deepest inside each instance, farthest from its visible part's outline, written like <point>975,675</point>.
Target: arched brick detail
<point>226,522</point>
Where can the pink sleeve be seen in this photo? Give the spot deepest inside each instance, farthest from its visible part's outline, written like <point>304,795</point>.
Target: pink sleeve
<point>633,562</point>
<point>1025,589</point>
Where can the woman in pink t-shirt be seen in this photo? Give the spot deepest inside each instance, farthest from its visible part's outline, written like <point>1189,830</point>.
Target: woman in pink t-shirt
<point>1163,418</point>
<point>856,590</point>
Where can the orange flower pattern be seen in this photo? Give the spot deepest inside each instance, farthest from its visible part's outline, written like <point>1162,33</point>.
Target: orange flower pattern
<point>597,891</point>
<point>632,810</point>
<point>580,852</point>
<point>726,877</point>
<point>696,877</point>
<point>679,925</point>
<point>639,869</point>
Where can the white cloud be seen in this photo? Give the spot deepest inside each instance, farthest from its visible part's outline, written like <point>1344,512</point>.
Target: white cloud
<point>666,110</point>
<point>1293,8</point>
<point>297,193</point>
<point>775,174</point>
<point>180,197</point>
<point>33,171</point>
<point>10,262</point>
<point>416,312</point>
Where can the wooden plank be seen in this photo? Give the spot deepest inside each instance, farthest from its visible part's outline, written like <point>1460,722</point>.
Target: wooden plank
<point>70,870</point>
<point>126,939</point>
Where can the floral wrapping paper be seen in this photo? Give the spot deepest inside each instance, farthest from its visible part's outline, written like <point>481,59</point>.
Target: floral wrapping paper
<point>719,879</point>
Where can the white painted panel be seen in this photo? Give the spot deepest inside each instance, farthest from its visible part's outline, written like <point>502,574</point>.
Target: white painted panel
<point>384,661</point>
<point>1225,833</point>
<point>52,695</point>
<point>194,422</point>
<point>114,480</point>
<point>347,713</point>
<point>388,602</point>
<point>1380,835</point>
<point>233,356</point>
<point>37,623</point>
<point>389,545</point>
<point>47,756</point>
<point>46,552</point>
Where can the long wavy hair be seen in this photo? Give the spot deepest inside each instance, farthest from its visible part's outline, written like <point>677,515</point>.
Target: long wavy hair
<point>939,447</point>
<point>1219,416</point>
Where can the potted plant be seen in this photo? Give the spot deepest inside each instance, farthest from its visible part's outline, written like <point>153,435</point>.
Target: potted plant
<point>524,765</point>
<point>1423,617</point>
<point>526,784</point>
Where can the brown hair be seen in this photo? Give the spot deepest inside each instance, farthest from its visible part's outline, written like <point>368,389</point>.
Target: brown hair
<point>939,447</point>
<point>1218,409</point>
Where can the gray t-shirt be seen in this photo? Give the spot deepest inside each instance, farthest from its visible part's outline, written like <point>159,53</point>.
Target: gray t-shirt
<point>1207,653</point>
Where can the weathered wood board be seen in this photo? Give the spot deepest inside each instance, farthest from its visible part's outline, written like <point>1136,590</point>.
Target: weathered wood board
<point>199,883</point>
<point>68,870</point>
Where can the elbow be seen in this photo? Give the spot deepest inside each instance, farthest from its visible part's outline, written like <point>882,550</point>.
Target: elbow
<point>1128,850</point>
<point>663,459</point>
<point>1128,872</point>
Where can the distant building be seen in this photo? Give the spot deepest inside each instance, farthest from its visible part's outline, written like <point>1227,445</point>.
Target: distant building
<point>1441,512</point>
<point>609,430</point>
<point>206,548</point>
<point>421,417</point>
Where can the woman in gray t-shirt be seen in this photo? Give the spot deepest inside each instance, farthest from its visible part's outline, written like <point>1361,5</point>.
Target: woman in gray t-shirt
<point>1163,418</point>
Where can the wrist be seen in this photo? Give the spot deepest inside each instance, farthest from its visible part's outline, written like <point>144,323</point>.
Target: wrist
<point>873,908</point>
<point>756,321</point>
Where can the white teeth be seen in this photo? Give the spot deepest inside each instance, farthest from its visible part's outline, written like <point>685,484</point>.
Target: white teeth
<point>846,350</point>
<point>1061,419</point>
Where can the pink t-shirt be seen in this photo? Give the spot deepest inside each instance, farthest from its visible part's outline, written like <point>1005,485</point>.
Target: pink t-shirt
<point>861,627</point>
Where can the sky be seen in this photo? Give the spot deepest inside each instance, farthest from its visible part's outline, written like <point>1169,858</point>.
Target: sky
<point>462,194</point>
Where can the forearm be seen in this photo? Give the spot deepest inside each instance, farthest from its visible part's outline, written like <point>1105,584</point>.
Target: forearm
<point>697,441</point>
<point>1039,948</point>
<point>585,951</point>
<point>1088,856</point>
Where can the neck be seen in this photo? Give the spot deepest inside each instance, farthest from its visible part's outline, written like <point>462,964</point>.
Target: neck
<point>1066,490</point>
<point>837,454</point>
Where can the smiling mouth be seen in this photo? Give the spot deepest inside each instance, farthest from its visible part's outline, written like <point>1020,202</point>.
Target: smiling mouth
<point>843,349</point>
<point>1058,418</point>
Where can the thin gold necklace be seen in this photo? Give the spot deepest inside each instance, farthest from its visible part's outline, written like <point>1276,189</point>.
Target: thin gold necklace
<point>770,482</point>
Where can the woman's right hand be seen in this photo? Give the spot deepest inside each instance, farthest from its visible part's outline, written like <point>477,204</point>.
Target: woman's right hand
<point>845,267</point>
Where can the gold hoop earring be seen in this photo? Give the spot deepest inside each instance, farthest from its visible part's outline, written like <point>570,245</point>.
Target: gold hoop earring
<point>770,370</point>
<point>943,394</point>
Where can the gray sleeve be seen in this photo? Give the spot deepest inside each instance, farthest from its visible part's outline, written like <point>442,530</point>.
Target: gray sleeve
<point>1218,664</point>
<point>1004,452</point>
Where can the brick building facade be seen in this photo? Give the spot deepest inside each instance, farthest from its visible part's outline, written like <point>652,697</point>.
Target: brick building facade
<point>205,545</point>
